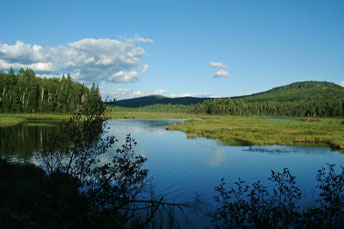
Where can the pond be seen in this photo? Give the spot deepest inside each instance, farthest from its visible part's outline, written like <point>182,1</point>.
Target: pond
<point>182,167</point>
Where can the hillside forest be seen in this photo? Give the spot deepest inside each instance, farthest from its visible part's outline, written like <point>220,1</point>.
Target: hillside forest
<point>300,99</point>
<point>24,92</point>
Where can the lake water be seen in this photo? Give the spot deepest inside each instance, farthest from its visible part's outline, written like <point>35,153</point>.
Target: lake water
<point>181,167</point>
<point>283,119</point>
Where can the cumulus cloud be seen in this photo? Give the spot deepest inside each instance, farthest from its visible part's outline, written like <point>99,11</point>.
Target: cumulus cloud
<point>125,93</point>
<point>341,84</point>
<point>204,94</point>
<point>144,40</point>
<point>159,92</point>
<point>217,65</point>
<point>221,73</point>
<point>88,60</point>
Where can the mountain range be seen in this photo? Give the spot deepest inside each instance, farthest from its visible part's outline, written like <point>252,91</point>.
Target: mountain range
<point>305,91</point>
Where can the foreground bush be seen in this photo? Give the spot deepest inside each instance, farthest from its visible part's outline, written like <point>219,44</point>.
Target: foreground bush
<point>253,206</point>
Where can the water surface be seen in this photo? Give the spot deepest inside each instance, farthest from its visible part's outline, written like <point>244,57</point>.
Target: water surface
<point>181,167</point>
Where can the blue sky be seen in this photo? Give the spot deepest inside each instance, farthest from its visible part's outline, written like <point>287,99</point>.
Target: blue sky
<point>175,48</point>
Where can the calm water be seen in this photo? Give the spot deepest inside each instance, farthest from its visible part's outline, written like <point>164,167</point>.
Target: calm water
<point>182,167</point>
<point>283,119</point>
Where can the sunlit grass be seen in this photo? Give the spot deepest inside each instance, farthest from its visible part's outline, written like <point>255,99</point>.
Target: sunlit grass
<point>8,120</point>
<point>235,130</point>
<point>231,130</point>
<point>11,119</point>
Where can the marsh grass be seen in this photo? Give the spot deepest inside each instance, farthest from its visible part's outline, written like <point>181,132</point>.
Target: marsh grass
<point>12,119</point>
<point>8,120</point>
<point>230,130</point>
<point>235,130</point>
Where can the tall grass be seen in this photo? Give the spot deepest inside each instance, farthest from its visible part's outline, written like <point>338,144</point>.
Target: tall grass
<point>235,130</point>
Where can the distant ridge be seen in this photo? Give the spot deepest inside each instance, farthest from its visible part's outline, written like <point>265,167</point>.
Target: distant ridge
<point>307,90</point>
<point>158,99</point>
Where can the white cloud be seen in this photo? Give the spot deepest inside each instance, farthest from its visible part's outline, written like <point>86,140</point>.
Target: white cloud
<point>145,68</point>
<point>204,94</point>
<point>88,60</point>
<point>123,77</point>
<point>159,92</point>
<point>217,65</point>
<point>125,93</point>
<point>341,84</point>
<point>221,73</point>
<point>144,40</point>
<point>38,67</point>
<point>21,52</point>
<point>42,67</point>
<point>180,95</point>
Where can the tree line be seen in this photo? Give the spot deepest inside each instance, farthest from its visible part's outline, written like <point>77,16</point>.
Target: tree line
<point>303,99</point>
<point>300,99</point>
<point>302,108</point>
<point>24,92</point>
<point>77,187</point>
<point>229,106</point>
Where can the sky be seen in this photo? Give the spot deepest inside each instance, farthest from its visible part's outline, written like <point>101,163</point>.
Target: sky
<point>176,48</point>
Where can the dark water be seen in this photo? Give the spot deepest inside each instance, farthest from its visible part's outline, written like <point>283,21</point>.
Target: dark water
<point>283,119</point>
<point>182,167</point>
<point>20,142</point>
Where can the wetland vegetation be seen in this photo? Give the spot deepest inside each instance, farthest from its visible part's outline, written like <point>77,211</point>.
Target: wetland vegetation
<point>65,130</point>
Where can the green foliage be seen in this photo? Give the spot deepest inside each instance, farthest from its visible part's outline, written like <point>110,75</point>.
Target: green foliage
<point>299,91</point>
<point>111,181</point>
<point>162,108</point>
<point>243,130</point>
<point>301,99</point>
<point>25,92</point>
<point>253,206</point>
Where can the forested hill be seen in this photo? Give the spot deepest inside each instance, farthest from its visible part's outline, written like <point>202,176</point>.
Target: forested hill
<point>158,99</point>
<point>25,92</point>
<point>308,90</point>
<point>311,98</point>
<point>299,91</point>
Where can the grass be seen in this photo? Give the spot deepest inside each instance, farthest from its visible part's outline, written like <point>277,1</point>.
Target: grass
<point>234,130</point>
<point>231,130</point>
<point>12,119</point>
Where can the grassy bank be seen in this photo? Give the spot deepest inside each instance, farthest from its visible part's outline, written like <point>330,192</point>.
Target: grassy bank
<point>12,119</point>
<point>235,130</point>
<point>153,115</point>
<point>232,130</point>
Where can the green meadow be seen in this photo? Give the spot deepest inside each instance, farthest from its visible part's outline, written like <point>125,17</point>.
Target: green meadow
<point>236,130</point>
<point>12,119</point>
<point>231,130</point>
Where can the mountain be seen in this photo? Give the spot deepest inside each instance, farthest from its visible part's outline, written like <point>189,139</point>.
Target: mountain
<point>158,99</point>
<point>305,91</point>
<point>295,92</point>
